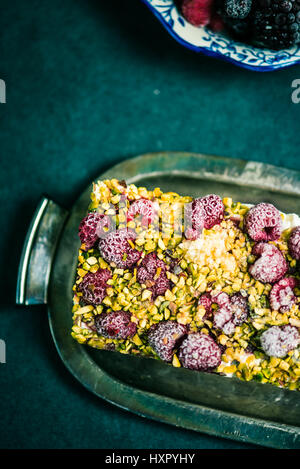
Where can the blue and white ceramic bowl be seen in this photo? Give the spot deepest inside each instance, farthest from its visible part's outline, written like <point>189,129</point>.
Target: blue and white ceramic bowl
<point>219,45</point>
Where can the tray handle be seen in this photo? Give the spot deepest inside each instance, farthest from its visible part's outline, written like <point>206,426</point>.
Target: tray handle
<point>38,252</point>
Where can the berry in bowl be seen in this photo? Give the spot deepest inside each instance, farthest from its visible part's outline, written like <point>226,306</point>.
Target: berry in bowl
<point>260,35</point>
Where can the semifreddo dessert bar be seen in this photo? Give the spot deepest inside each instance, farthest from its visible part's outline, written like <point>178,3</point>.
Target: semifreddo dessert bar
<point>206,283</point>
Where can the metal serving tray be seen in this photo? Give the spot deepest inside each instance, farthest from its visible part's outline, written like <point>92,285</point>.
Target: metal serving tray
<point>246,411</point>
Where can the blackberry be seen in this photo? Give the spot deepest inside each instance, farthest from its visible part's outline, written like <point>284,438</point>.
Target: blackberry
<point>276,23</point>
<point>238,26</point>
<point>237,8</point>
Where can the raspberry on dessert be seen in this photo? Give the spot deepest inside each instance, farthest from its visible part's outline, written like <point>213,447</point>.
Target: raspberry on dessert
<point>199,352</point>
<point>240,308</point>
<point>233,312</point>
<point>277,341</point>
<point>165,337</point>
<point>206,301</point>
<point>237,8</point>
<point>294,243</point>
<point>152,273</point>
<point>191,234</point>
<point>115,325</point>
<point>193,220</point>
<point>271,266</point>
<point>222,316</point>
<point>282,296</point>
<point>94,285</point>
<point>115,247</point>
<point>143,208</point>
<point>89,226</point>
<point>221,298</point>
<point>207,211</point>
<point>197,12</point>
<point>263,222</point>
<point>104,226</point>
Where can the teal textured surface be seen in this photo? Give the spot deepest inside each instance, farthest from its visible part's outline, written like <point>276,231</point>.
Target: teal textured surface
<point>90,84</point>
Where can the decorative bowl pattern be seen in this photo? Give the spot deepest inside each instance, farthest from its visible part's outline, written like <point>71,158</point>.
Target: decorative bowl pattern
<point>220,45</point>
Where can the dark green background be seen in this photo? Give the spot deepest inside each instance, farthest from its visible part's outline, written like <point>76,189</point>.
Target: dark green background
<point>81,79</point>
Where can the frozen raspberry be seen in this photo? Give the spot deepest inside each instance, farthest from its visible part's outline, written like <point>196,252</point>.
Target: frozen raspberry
<point>104,226</point>
<point>271,266</point>
<point>152,273</point>
<point>115,247</point>
<point>197,12</point>
<point>115,325</point>
<point>222,316</point>
<point>94,285</point>
<point>193,220</point>
<point>89,226</point>
<point>207,211</point>
<point>294,243</point>
<point>162,284</point>
<point>221,299</point>
<point>165,337</point>
<point>206,301</point>
<point>143,208</point>
<point>263,222</point>
<point>233,312</point>
<point>192,234</point>
<point>277,341</point>
<point>199,352</point>
<point>240,308</point>
<point>282,296</point>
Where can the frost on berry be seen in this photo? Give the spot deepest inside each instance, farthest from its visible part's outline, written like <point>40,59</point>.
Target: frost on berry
<point>270,266</point>
<point>115,325</point>
<point>208,211</point>
<point>222,316</point>
<point>240,308</point>
<point>206,301</point>
<point>115,247</point>
<point>104,226</point>
<point>277,341</point>
<point>282,296</point>
<point>193,220</point>
<point>232,312</point>
<point>165,337</point>
<point>263,222</point>
<point>143,209</point>
<point>294,243</point>
<point>199,352</point>
<point>91,228</point>
<point>152,273</point>
<point>221,298</point>
<point>94,285</point>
